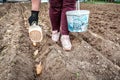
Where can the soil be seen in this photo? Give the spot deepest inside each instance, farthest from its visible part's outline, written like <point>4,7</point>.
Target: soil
<point>95,54</point>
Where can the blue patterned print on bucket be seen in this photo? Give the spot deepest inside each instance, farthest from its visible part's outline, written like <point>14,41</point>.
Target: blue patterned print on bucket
<point>77,23</point>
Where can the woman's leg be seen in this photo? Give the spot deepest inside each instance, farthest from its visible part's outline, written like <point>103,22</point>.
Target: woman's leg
<point>55,14</point>
<point>67,6</point>
<point>65,39</point>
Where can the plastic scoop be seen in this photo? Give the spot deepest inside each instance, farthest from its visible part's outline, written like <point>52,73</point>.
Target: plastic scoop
<point>35,34</point>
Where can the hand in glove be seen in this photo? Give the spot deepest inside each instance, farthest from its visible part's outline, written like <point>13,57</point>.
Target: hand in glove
<point>33,18</point>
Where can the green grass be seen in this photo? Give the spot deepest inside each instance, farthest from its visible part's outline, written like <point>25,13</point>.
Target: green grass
<point>100,2</point>
<point>96,2</point>
<point>117,2</point>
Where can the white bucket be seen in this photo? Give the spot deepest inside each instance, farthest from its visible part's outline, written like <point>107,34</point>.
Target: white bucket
<point>77,20</point>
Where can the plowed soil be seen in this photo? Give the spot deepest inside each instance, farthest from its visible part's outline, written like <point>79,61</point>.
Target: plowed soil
<point>95,54</point>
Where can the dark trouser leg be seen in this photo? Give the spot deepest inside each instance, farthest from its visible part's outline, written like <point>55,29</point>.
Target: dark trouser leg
<point>55,13</point>
<point>67,6</point>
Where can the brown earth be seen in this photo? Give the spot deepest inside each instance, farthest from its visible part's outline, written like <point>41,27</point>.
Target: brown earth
<point>95,54</point>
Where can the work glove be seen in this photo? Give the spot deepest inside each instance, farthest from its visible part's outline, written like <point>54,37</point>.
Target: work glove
<point>33,18</point>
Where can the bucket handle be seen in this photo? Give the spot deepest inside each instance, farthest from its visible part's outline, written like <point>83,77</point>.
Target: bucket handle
<point>77,4</point>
